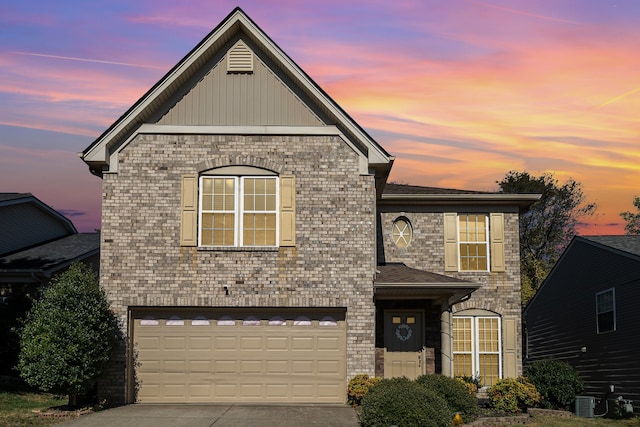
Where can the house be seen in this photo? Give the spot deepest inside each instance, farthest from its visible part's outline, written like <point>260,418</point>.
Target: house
<point>255,252</point>
<point>36,243</point>
<point>585,314</point>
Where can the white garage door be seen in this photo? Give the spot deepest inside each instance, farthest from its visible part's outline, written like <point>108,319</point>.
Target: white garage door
<point>213,355</point>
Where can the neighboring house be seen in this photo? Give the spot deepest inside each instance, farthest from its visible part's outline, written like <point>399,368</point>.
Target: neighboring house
<point>36,243</point>
<point>586,313</point>
<point>255,252</point>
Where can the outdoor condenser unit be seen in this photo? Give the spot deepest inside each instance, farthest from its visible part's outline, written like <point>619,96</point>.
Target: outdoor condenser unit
<point>585,406</point>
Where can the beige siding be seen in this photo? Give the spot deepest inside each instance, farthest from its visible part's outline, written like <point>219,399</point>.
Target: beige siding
<point>250,99</point>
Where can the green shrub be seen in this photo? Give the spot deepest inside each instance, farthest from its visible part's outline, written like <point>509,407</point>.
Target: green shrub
<point>358,387</point>
<point>513,395</point>
<point>68,335</point>
<point>557,382</point>
<point>472,383</point>
<point>454,392</point>
<point>401,402</point>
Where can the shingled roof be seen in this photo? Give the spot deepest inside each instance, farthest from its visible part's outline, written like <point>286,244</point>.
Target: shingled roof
<point>630,244</point>
<point>52,255</point>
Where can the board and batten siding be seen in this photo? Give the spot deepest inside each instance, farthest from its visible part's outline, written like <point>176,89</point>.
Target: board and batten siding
<point>561,321</point>
<point>260,98</point>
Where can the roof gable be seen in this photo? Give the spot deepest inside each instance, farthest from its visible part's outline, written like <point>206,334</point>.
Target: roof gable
<point>245,91</point>
<point>26,221</point>
<point>179,81</point>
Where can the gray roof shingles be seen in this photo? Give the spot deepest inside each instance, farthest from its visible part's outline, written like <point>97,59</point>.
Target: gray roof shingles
<point>51,254</point>
<point>630,244</point>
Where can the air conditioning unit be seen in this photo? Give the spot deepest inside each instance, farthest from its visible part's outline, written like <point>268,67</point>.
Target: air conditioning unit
<point>585,406</point>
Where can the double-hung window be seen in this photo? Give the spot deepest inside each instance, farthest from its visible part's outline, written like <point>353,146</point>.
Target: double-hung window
<point>606,310</point>
<point>238,211</point>
<point>474,242</point>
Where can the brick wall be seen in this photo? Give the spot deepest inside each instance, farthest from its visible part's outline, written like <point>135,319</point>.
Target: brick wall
<point>332,264</point>
<point>500,292</point>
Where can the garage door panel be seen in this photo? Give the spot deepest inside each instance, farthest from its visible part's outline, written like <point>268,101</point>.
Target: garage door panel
<point>174,342</point>
<point>235,360</point>
<point>226,343</point>
<point>200,343</point>
<point>174,366</point>
<point>251,366</point>
<point>277,367</point>
<point>276,343</point>
<point>250,343</point>
<point>224,366</point>
<point>301,343</point>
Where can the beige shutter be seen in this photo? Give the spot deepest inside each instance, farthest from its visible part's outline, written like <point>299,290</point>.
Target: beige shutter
<point>287,210</point>
<point>189,211</point>
<point>509,349</point>
<point>450,241</point>
<point>496,231</point>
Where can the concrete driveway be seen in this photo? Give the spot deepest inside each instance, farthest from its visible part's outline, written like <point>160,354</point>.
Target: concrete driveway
<point>196,415</point>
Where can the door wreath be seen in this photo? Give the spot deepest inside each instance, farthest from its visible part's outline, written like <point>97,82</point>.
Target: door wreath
<point>403,332</point>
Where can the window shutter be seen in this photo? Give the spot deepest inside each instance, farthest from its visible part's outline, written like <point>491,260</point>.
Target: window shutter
<point>510,338</point>
<point>287,210</point>
<point>189,211</point>
<point>450,241</point>
<point>496,230</point>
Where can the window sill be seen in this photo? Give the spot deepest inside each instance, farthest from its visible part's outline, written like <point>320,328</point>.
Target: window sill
<point>238,249</point>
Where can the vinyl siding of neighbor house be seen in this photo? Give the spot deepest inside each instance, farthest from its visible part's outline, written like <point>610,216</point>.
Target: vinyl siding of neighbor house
<point>500,292</point>
<point>561,320</point>
<point>23,225</point>
<point>261,98</point>
<point>332,264</point>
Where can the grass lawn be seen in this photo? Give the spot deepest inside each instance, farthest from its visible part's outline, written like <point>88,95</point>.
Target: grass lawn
<point>17,405</point>
<point>548,421</point>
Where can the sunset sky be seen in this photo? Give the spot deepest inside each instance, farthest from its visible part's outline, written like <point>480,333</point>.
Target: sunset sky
<point>460,91</point>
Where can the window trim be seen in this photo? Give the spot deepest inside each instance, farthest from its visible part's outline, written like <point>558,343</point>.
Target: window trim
<point>239,210</point>
<point>613,310</point>
<point>475,340</point>
<point>487,243</point>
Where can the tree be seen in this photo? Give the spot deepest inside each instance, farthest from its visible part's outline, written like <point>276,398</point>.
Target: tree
<point>68,335</point>
<point>548,226</point>
<point>633,219</point>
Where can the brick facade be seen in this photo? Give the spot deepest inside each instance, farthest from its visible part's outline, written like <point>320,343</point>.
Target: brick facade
<point>500,291</point>
<point>332,264</point>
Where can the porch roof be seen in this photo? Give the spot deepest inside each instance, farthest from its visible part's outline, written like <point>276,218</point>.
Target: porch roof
<point>397,281</point>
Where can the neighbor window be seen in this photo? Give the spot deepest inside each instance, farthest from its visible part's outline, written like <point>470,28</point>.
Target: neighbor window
<point>474,242</point>
<point>238,211</point>
<point>476,348</point>
<point>606,311</point>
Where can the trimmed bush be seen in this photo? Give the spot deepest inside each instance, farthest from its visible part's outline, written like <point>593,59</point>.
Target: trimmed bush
<point>358,387</point>
<point>402,402</point>
<point>513,395</point>
<point>472,383</point>
<point>454,392</point>
<point>557,382</point>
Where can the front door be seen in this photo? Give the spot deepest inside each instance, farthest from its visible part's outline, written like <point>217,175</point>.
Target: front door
<point>404,343</point>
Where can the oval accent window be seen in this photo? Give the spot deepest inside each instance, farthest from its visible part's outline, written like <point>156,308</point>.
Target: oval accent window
<point>402,232</point>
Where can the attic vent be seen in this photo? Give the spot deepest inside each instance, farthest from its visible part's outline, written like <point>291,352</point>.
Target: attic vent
<point>240,59</point>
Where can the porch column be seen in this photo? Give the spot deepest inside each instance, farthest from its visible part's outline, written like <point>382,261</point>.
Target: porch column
<point>445,341</point>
